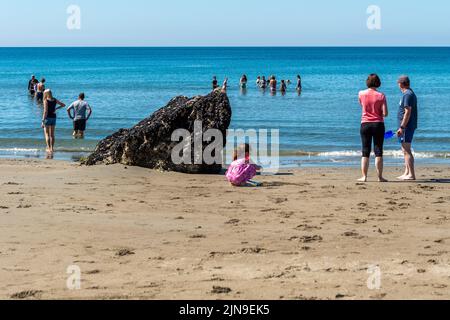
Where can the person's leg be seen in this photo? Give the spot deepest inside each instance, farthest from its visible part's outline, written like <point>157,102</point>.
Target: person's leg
<point>379,133</point>
<point>366,139</point>
<point>406,173</point>
<point>365,162</point>
<point>409,162</point>
<point>47,138</point>
<point>52,138</point>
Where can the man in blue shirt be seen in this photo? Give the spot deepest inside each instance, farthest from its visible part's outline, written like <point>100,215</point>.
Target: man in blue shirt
<point>407,119</point>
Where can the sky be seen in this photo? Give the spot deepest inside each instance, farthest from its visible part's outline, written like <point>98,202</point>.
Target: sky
<point>224,23</point>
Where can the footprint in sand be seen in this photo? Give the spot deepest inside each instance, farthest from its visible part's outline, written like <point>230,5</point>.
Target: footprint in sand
<point>124,252</point>
<point>256,250</point>
<point>220,290</point>
<point>197,236</point>
<point>353,234</point>
<point>279,200</point>
<point>233,222</point>
<point>27,294</point>
<point>306,227</point>
<point>310,239</point>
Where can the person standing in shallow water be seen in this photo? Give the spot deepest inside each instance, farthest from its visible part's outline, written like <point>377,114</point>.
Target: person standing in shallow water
<point>243,82</point>
<point>32,85</point>
<point>40,88</point>
<point>273,85</point>
<point>283,87</point>
<point>374,110</point>
<point>408,122</point>
<point>299,84</point>
<point>215,83</point>
<point>49,120</point>
<point>79,117</point>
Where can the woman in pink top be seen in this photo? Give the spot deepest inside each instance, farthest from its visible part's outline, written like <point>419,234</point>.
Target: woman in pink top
<point>374,108</point>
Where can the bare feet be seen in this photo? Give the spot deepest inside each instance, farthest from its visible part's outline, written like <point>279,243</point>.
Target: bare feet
<point>409,178</point>
<point>382,179</point>
<point>363,179</point>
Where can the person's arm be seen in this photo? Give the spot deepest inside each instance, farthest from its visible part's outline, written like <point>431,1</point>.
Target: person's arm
<point>385,108</point>
<point>61,105</point>
<point>89,112</point>
<point>69,109</point>
<point>407,116</point>
<point>44,114</point>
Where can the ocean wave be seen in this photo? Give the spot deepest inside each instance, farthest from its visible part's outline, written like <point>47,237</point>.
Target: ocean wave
<point>39,150</point>
<point>354,153</point>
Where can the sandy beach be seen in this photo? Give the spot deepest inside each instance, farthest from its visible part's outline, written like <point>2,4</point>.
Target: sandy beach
<point>141,234</point>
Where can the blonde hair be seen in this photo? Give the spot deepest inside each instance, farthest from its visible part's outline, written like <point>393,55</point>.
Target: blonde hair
<point>48,95</point>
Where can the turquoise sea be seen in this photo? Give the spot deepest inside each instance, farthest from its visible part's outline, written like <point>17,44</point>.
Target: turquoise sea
<point>320,127</point>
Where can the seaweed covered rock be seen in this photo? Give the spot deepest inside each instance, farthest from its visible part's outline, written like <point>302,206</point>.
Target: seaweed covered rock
<point>150,143</point>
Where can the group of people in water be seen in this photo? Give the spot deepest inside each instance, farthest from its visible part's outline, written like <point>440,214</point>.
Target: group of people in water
<point>262,83</point>
<point>79,112</point>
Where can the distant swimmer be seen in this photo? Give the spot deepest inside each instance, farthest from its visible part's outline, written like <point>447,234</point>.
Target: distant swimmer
<point>243,82</point>
<point>299,83</point>
<point>263,83</point>
<point>273,84</point>
<point>283,86</point>
<point>79,117</point>
<point>40,88</point>
<point>215,83</point>
<point>49,120</point>
<point>32,85</point>
<point>258,81</point>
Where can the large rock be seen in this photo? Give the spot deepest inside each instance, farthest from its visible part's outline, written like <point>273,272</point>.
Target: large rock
<point>149,144</point>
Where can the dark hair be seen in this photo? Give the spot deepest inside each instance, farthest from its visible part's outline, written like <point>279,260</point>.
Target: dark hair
<point>373,81</point>
<point>404,81</point>
<point>81,96</point>
<point>242,150</point>
<point>43,80</point>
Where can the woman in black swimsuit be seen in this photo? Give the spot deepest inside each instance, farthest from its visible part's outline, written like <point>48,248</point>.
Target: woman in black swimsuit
<point>49,120</point>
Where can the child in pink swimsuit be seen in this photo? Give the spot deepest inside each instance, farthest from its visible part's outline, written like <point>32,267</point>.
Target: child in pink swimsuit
<point>242,171</point>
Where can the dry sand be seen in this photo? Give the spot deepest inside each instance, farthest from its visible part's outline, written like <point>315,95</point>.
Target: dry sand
<point>141,234</point>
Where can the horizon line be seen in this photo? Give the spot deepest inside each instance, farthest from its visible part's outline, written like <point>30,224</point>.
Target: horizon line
<point>224,47</point>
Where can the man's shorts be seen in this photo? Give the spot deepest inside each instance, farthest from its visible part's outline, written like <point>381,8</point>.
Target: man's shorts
<point>79,125</point>
<point>408,136</point>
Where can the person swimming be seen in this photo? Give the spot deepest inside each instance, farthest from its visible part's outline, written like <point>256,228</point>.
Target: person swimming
<point>40,89</point>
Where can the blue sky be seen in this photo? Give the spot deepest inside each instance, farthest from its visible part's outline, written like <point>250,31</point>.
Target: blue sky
<point>225,23</point>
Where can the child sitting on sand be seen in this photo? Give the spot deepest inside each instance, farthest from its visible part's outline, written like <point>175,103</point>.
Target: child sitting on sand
<point>241,171</point>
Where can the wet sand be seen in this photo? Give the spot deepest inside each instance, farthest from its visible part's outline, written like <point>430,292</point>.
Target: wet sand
<point>140,234</point>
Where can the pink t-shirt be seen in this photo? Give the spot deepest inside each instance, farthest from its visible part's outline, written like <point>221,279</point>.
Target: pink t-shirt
<point>372,103</point>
